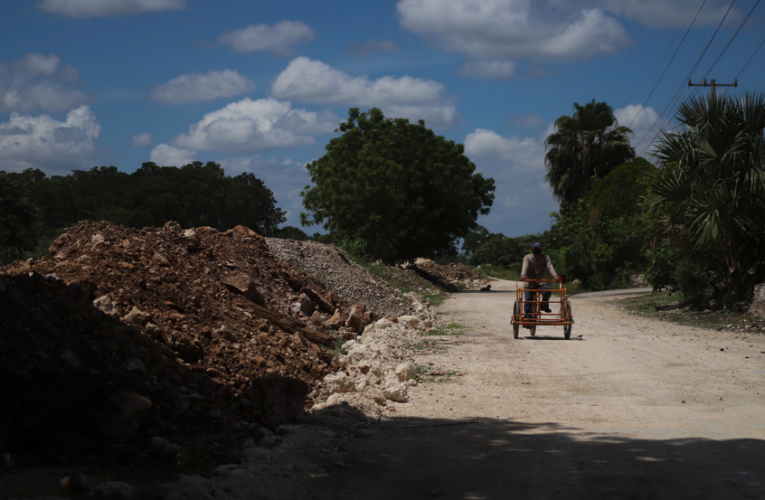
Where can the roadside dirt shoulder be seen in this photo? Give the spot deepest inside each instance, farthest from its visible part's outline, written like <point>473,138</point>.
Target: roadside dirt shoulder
<point>629,406</point>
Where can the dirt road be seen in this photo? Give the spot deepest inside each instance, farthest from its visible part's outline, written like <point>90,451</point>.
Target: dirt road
<point>631,407</point>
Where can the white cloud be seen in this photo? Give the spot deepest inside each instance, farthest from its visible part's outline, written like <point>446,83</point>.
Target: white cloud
<point>45,143</point>
<point>375,45</point>
<point>285,177</point>
<point>414,98</point>
<point>514,28</point>
<point>107,8</point>
<point>165,155</point>
<point>278,39</point>
<point>640,122</point>
<point>525,153</point>
<point>251,126</point>
<point>40,82</point>
<point>200,87</point>
<point>667,13</point>
<point>524,200</point>
<point>488,69</point>
<point>141,140</point>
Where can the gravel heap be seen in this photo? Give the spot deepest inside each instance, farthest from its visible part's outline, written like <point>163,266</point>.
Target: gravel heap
<point>347,279</point>
<point>193,321</point>
<point>454,273</point>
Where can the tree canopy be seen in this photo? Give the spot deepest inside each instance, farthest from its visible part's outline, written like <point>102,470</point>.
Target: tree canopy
<point>711,194</point>
<point>585,147</point>
<point>400,189</point>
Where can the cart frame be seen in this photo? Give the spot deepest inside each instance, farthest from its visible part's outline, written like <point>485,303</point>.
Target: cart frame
<point>564,317</point>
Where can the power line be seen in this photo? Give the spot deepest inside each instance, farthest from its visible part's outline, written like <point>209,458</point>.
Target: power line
<point>679,92</point>
<point>732,38</point>
<point>668,64</point>
<point>662,55</point>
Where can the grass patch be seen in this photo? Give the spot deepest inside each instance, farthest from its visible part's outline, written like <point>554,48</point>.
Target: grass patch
<point>434,374</point>
<point>450,329</point>
<point>499,272</point>
<point>645,305</point>
<point>435,299</point>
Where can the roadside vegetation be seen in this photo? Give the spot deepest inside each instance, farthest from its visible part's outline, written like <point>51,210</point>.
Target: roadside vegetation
<point>673,307</point>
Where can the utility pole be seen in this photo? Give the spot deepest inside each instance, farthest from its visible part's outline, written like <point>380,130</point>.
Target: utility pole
<point>713,85</point>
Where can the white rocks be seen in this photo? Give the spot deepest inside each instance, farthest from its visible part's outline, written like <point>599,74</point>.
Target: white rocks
<point>410,321</point>
<point>406,371</point>
<point>396,392</point>
<point>105,304</point>
<point>339,382</point>
<point>136,316</point>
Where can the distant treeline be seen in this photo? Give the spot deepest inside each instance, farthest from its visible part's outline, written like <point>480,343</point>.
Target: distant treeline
<point>34,208</point>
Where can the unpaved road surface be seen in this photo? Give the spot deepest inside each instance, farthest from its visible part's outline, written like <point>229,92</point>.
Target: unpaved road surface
<point>631,407</point>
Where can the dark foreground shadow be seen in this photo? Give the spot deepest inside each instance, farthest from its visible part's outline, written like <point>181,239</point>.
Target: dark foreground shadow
<point>487,459</point>
<point>550,337</point>
<point>487,291</point>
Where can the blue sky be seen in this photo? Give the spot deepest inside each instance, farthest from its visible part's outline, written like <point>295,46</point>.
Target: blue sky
<point>260,86</point>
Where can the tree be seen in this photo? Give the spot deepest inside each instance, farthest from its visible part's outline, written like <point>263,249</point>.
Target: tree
<point>585,147</point>
<point>403,191</point>
<point>17,218</point>
<point>711,193</point>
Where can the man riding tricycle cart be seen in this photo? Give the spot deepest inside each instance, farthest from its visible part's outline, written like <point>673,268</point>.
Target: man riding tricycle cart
<point>533,296</point>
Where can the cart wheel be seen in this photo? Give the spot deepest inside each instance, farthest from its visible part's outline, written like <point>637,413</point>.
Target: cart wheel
<point>516,316</point>
<point>567,328</point>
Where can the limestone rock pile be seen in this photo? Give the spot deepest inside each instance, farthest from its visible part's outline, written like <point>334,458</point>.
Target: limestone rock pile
<point>454,273</point>
<point>347,279</point>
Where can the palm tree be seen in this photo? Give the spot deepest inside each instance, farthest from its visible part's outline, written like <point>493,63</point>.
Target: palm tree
<point>712,189</point>
<point>585,147</point>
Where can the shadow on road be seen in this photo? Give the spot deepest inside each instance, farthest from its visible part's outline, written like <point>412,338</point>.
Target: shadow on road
<point>488,459</point>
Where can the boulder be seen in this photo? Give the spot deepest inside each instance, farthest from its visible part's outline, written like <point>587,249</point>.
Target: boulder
<point>336,321</point>
<point>355,319</point>
<point>192,239</point>
<point>317,299</point>
<point>242,284</point>
<point>339,382</point>
<point>396,392</point>
<point>105,304</point>
<point>410,321</point>
<point>136,317</point>
<point>306,305</point>
<point>406,371</point>
<point>757,308</point>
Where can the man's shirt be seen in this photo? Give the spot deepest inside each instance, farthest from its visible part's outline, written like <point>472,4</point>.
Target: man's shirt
<point>534,269</point>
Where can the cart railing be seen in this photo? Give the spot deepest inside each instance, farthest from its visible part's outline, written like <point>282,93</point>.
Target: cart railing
<point>561,317</point>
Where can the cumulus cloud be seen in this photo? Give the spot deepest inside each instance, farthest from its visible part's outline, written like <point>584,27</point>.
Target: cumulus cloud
<point>200,87</point>
<point>45,143</point>
<point>514,28</point>
<point>141,140</point>
<point>414,98</point>
<point>278,38</point>
<point>252,126</point>
<point>488,69</point>
<point>285,177</point>
<point>107,8</point>
<point>640,122</point>
<point>166,155</point>
<point>664,13</point>
<point>524,199</point>
<point>375,45</point>
<point>39,82</point>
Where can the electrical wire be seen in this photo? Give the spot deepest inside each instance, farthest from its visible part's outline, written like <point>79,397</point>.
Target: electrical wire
<point>668,64</point>
<point>662,55</point>
<point>732,38</point>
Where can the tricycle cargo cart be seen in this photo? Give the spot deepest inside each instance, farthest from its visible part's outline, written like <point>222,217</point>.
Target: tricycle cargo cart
<point>527,309</point>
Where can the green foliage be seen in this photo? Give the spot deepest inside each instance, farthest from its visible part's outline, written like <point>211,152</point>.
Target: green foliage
<point>194,195</point>
<point>623,189</point>
<point>18,218</point>
<point>660,272</point>
<point>397,187</point>
<point>711,191</point>
<point>499,272</point>
<point>450,329</point>
<point>290,233</point>
<point>585,147</point>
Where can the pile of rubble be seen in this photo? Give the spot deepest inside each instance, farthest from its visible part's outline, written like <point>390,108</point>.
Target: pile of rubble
<point>347,279</point>
<point>457,274</point>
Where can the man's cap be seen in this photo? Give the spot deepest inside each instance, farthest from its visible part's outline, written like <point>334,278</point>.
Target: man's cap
<point>536,245</point>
